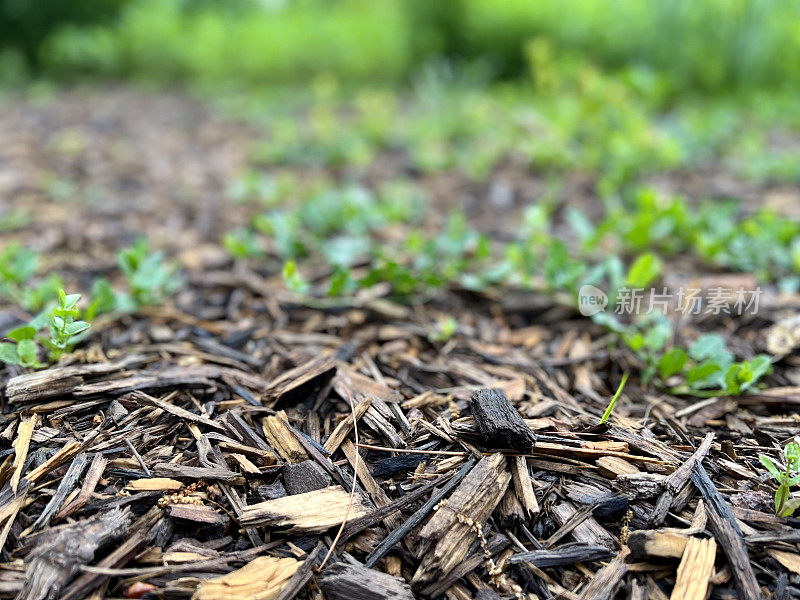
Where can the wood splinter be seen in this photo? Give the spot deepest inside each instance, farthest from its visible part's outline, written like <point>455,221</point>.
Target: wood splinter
<point>695,570</point>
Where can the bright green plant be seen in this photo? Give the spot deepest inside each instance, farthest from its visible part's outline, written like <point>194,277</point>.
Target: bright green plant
<point>765,244</point>
<point>23,350</point>
<point>63,329</point>
<point>610,407</point>
<point>786,478</point>
<point>103,299</point>
<point>63,326</point>
<point>445,330</point>
<point>150,277</point>
<point>18,266</point>
<point>293,279</point>
<point>242,243</point>
<point>342,282</point>
<point>644,271</point>
<point>709,369</point>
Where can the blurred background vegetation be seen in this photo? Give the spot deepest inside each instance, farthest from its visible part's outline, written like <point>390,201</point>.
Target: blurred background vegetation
<point>612,87</point>
<point>669,47</point>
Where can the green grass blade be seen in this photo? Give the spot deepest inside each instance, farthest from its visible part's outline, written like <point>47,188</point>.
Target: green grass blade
<point>611,404</point>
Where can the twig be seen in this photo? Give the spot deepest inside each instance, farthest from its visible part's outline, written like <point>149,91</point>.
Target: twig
<point>726,530</point>
<point>398,534</point>
<point>353,489</point>
<point>138,458</point>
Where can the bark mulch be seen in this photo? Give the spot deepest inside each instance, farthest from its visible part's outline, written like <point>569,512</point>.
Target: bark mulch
<point>212,447</point>
<point>215,458</point>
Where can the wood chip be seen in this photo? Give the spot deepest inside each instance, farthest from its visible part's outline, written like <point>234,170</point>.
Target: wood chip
<point>261,579</point>
<point>281,438</point>
<point>501,426</point>
<point>447,536</point>
<point>21,445</point>
<point>723,524</point>
<point>312,512</point>
<point>348,582</point>
<point>695,570</point>
<point>154,484</point>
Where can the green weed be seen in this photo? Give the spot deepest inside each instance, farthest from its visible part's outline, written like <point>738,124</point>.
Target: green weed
<point>150,277</point>
<point>786,478</point>
<point>293,279</point>
<point>18,265</point>
<point>610,407</point>
<point>765,243</point>
<point>445,330</point>
<point>61,324</point>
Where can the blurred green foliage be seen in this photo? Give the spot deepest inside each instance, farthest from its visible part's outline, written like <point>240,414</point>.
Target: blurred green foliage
<point>26,24</point>
<point>244,43</point>
<point>709,45</point>
<point>675,46</point>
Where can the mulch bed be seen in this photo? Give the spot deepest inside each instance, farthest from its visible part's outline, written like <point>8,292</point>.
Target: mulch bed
<point>209,448</point>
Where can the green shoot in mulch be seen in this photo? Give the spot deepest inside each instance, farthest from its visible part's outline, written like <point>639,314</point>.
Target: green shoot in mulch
<point>786,478</point>
<point>62,325</point>
<point>610,407</point>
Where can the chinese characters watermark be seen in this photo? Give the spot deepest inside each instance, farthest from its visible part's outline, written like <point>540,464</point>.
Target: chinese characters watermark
<point>685,300</point>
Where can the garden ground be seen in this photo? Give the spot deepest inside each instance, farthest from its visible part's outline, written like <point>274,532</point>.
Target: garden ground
<point>319,267</point>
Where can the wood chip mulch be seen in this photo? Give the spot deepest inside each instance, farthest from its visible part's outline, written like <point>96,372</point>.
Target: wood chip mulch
<point>209,458</point>
<point>206,448</point>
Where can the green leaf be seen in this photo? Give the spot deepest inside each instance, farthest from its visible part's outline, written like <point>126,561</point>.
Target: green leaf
<point>759,366</point>
<point>103,299</point>
<point>25,332</point>
<point>737,374</point>
<point>770,466</point>
<point>789,506</point>
<point>792,454</point>
<point>341,282</point>
<point>27,350</point>
<point>672,362</point>
<point>444,331</point>
<point>644,271</point>
<point>781,495</point>
<point>702,372</point>
<point>635,341</point>
<point>77,327</point>
<point>8,354</point>
<point>40,321</point>
<point>293,279</point>
<point>655,338</point>
<point>610,407</point>
<point>711,345</point>
<point>71,300</point>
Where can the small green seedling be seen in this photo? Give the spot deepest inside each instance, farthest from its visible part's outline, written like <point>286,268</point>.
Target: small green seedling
<point>23,351</point>
<point>610,407</point>
<point>242,243</point>
<point>784,505</point>
<point>63,326</point>
<point>444,331</point>
<point>293,279</point>
<point>150,277</point>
